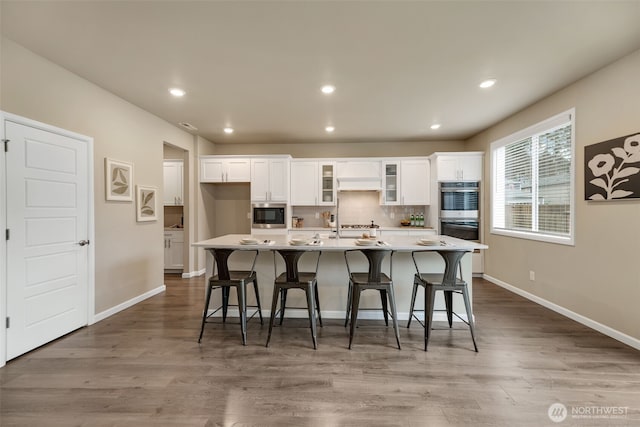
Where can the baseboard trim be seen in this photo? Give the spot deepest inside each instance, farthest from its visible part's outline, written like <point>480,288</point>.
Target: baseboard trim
<point>130,303</point>
<point>193,274</point>
<point>604,329</point>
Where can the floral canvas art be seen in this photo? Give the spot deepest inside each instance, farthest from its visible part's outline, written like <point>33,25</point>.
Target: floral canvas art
<point>612,169</point>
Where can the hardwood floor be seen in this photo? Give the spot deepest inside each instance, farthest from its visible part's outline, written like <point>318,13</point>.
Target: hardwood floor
<point>144,367</point>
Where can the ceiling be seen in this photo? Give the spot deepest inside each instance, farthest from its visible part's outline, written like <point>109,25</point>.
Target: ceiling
<point>398,66</point>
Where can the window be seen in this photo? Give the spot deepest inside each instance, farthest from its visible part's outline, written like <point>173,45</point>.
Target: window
<point>532,191</point>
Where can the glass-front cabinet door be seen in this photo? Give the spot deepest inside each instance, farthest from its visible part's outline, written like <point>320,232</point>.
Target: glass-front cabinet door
<point>391,187</point>
<point>327,183</point>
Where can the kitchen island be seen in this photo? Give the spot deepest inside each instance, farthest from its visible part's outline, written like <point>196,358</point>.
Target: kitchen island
<point>332,271</point>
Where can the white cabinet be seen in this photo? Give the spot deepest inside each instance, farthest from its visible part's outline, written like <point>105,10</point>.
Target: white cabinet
<point>173,242</point>
<point>406,182</point>
<point>391,183</point>
<point>459,166</point>
<point>313,183</point>
<point>270,179</point>
<point>173,173</point>
<point>225,169</point>
<point>415,182</point>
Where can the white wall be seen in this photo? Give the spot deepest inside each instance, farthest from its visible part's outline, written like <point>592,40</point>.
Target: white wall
<point>598,278</point>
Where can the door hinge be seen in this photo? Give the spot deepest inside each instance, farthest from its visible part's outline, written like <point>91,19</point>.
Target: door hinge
<point>6,145</point>
<point>7,234</point>
<point>8,322</point>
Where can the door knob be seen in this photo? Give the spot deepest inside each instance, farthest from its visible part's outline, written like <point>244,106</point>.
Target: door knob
<point>83,242</point>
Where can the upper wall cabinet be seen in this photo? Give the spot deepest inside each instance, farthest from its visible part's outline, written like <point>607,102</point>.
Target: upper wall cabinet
<point>173,173</point>
<point>465,166</point>
<point>225,169</point>
<point>313,183</point>
<point>406,182</point>
<point>270,179</point>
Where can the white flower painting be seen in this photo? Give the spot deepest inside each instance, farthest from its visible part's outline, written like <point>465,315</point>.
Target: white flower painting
<point>609,171</point>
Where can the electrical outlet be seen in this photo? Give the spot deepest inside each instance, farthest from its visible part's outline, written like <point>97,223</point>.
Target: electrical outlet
<point>317,215</point>
<point>532,275</point>
<point>392,215</point>
<point>248,215</point>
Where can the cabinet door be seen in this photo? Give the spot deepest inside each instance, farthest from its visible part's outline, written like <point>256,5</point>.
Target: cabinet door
<point>238,170</point>
<point>304,183</point>
<point>470,168</point>
<point>327,184</point>
<point>415,182</point>
<point>173,249</point>
<point>260,180</point>
<point>447,168</point>
<point>391,183</point>
<point>212,170</point>
<point>167,250</point>
<point>278,180</point>
<point>173,172</point>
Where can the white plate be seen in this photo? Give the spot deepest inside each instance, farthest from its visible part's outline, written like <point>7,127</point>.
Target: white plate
<point>428,242</point>
<point>298,242</point>
<point>249,241</point>
<point>366,242</point>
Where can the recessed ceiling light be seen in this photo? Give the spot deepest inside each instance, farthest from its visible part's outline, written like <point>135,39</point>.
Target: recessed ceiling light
<point>176,92</point>
<point>487,83</point>
<point>435,126</point>
<point>328,89</point>
<point>228,130</point>
<point>329,129</point>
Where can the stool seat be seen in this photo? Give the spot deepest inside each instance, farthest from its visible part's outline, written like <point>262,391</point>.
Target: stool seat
<point>226,279</point>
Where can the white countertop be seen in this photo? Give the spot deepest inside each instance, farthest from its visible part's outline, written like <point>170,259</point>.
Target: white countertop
<point>281,241</point>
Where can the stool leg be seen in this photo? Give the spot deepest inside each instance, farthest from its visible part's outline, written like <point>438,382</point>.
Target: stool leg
<point>283,303</point>
<point>448,299</point>
<point>467,305</point>
<point>225,302</point>
<point>311,306</point>
<point>349,296</point>
<point>429,298</point>
<point>385,307</point>
<point>414,293</point>
<point>392,303</point>
<point>315,290</point>
<point>354,311</point>
<point>204,313</point>
<point>255,288</point>
<point>242,307</point>
<point>274,304</point>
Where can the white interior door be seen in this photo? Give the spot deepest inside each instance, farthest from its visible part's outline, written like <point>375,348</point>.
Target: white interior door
<point>47,217</point>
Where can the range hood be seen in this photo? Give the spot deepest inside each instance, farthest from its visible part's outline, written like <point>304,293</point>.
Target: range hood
<point>360,183</point>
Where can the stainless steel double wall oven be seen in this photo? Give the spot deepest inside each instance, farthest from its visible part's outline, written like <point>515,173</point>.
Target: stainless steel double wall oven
<point>460,209</point>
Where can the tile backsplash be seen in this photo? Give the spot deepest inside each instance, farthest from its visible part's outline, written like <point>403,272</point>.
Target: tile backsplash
<point>360,207</point>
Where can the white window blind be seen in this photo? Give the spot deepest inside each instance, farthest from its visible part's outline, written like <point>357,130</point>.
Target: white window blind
<point>532,182</point>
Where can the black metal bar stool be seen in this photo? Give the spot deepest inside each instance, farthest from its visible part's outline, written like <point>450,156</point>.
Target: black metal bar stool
<point>373,279</point>
<point>449,283</point>
<point>293,279</point>
<point>225,280</point>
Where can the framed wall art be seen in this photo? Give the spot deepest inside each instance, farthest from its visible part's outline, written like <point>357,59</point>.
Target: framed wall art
<point>118,180</point>
<point>612,169</point>
<point>146,203</point>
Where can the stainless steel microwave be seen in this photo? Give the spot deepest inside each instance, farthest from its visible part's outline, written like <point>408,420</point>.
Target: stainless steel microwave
<point>269,215</point>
